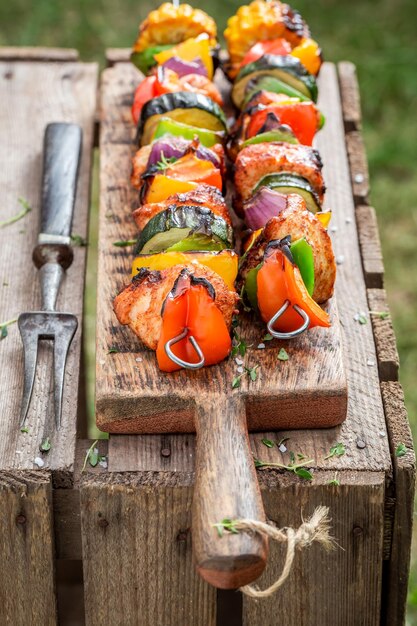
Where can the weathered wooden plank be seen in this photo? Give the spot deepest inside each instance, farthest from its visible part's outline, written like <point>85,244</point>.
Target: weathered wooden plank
<point>117,55</point>
<point>338,587</point>
<point>27,588</point>
<point>137,552</point>
<point>370,244</point>
<point>358,167</point>
<point>52,92</point>
<point>156,453</point>
<point>349,91</point>
<point>39,54</point>
<point>385,343</point>
<point>396,576</point>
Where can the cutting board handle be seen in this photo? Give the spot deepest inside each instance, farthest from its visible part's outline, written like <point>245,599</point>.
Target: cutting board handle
<point>226,486</point>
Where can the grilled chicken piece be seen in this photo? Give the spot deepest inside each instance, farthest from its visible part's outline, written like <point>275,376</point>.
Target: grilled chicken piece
<point>204,196</point>
<point>139,304</point>
<point>256,161</point>
<point>141,158</point>
<point>297,221</point>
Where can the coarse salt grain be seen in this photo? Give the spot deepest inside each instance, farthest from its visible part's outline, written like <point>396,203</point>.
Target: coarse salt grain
<point>39,462</point>
<point>282,448</point>
<point>238,361</point>
<point>138,359</point>
<point>261,346</point>
<point>340,259</point>
<point>359,178</point>
<point>333,229</point>
<point>348,220</point>
<point>240,370</point>
<point>370,362</point>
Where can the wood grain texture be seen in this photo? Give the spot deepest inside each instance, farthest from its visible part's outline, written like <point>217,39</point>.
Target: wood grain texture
<point>370,244</point>
<point>39,54</point>
<point>132,395</point>
<point>27,588</point>
<point>385,342</point>
<point>327,588</point>
<point>52,92</point>
<point>358,167</point>
<point>222,441</point>
<point>396,580</point>
<point>349,91</point>
<point>137,552</point>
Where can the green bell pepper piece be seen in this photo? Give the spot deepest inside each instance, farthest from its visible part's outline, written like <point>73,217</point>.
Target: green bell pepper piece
<point>167,126</point>
<point>302,254</point>
<point>145,60</point>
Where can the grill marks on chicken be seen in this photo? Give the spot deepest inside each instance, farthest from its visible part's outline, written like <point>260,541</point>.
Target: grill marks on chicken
<point>255,162</point>
<point>139,305</point>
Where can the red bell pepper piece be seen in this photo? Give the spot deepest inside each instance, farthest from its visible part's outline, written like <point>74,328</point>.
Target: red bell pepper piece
<point>279,280</point>
<point>301,117</point>
<point>190,305</point>
<point>144,92</point>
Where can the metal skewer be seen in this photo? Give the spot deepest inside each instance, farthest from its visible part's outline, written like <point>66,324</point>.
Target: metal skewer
<point>292,333</point>
<point>177,360</point>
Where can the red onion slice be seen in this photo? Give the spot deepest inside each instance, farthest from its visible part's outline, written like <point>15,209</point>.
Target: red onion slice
<point>183,68</point>
<point>263,205</point>
<point>176,147</point>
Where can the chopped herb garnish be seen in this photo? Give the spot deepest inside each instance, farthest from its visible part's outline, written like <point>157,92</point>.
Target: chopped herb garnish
<point>283,355</point>
<point>268,443</point>
<point>124,244</point>
<point>400,450</point>
<point>283,440</point>
<point>11,220</point>
<point>24,429</point>
<point>3,328</point>
<point>300,456</point>
<point>267,337</point>
<point>383,315</point>
<point>298,469</point>
<point>164,163</point>
<point>236,381</point>
<point>337,450</point>
<point>45,445</point>
<point>239,344</point>
<point>92,456</point>
<point>77,240</point>
<point>334,481</point>
<point>253,374</point>
<point>113,350</point>
<point>360,317</point>
<point>228,525</point>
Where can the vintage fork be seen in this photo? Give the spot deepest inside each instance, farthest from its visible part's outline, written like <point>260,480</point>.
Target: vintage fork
<point>52,256</point>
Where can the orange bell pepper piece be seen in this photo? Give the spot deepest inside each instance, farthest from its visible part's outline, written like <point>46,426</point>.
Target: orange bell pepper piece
<point>279,280</point>
<point>191,168</point>
<point>191,306</point>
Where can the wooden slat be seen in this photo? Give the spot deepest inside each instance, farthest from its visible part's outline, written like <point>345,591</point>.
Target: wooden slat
<point>137,552</point>
<point>27,588</point>
<point>51,92</point>
<point>373,266</point>
<point>338,587</point>
<point>358,167</point>
<point>349,92</point>
<point>386,346</point>
<point>38,54</point>
<point>117,55</point>
<point>396,578</point>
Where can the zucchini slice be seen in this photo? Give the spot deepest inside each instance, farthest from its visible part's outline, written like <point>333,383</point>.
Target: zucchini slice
<point>194,109</point>
<point>177,223</point>
<point>287,69</point>
<point>287,183</point>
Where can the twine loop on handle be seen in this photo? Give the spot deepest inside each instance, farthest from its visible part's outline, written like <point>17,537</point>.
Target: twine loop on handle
<point>317,528</point>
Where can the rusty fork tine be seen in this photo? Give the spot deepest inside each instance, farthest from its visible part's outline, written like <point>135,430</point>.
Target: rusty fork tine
<point>62,344</point>
<point>30,349</point>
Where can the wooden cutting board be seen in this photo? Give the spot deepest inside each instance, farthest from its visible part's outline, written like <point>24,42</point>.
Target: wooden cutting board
<point>132,395</point>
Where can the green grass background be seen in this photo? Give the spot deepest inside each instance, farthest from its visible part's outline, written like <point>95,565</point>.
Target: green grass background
<point>379,37</point>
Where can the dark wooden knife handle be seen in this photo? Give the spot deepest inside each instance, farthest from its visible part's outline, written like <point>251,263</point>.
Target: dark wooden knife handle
<point>226,486</point>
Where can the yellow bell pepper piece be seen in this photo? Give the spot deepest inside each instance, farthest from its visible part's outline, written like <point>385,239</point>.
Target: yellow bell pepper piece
<point>164,186</point>
<point>309,53</point>
<point>193,48</point>
<point>224,263</point>
<point>324,217</point>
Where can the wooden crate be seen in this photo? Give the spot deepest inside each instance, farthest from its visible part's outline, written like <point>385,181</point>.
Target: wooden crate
<point>129,523</point>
